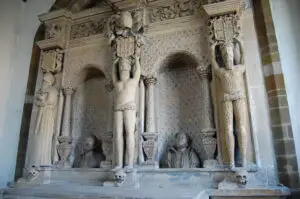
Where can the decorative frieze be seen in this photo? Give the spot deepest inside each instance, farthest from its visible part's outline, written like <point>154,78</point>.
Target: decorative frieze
<point>87,29</point>
<point>179,8</point>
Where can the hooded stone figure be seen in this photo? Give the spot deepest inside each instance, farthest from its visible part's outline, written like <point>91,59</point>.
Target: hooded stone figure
<point>90,156</point>
<point>181,154</point>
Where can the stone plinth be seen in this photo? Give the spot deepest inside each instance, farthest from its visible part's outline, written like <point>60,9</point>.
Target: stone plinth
<point>152,183</point>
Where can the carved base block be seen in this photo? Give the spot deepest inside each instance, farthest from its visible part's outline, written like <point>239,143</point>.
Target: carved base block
<point>106,164</point>
<point>149,148</point>
<point>210,163</point>
<point>64,150</point>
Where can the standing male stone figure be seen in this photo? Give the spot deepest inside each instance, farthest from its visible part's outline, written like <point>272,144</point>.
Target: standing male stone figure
<point>125,109</point>
<point>232,97</point>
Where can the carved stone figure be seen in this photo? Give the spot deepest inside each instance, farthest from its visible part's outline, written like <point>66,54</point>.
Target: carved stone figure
<point>181,154</point>
<point>241,178</point>
<point>30,175</point>
<point>232,98</point>
<point>125,109</point>
<point>126,50</point>
<point>46,101</point>
<point>89,158</point>
<point>119,177</point>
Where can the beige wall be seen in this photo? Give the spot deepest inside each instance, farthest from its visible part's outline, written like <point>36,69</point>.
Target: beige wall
<point>18,25</point>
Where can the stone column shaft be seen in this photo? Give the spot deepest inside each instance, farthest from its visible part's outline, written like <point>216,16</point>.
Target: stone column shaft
<point>66,129</point>
<point>150,114</point>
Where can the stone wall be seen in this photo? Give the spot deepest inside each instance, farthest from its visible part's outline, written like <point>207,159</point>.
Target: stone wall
<point>19,24</point>
<point>283,138</point>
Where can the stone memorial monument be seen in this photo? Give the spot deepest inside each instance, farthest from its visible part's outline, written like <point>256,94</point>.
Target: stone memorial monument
<point>133,74</point>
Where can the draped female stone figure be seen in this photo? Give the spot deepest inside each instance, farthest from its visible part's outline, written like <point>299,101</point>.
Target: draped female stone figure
<point>46,101</point>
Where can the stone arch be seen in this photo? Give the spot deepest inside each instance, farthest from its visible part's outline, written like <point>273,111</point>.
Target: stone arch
<point>177,60</point>
<point>90,106</point>
<point>87,72</point>
<point>180,99</point>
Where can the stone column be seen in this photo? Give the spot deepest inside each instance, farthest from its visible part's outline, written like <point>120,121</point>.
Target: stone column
<point>150,117</point>
<point>106,138</point>
<point>109,88</point>
<point>149,137</point>
<point>65,139</point>
<point>141,118</point>
<point>209,142</point>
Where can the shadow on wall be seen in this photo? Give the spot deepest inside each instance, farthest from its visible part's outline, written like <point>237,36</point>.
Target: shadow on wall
<point>28,104</point>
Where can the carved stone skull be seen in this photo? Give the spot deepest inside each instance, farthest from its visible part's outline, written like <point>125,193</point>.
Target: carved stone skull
<point>119,177</point>
<point>242,178</point>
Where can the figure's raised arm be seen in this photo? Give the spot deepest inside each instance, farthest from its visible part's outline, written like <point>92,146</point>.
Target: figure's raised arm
<point>137,72</point>
<point>114,72</point>
<point>215,65</point>
<point>242,51</point>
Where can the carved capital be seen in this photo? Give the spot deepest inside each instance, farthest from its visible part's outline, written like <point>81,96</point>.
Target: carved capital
<point>68,91</point>
<point>203,71</point>
<point>109,87</point>
<point>150,81</point>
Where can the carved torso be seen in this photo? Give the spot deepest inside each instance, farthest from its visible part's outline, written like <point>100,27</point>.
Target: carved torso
<point>232,82</point>
<point>125,94</point>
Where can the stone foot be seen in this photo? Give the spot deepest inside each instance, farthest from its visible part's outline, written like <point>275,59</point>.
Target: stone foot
<point>128,168</point>
<point>117,168</point>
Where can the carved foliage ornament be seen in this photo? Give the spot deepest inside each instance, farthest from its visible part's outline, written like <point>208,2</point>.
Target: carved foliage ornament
<point>87,29</point>
<point>52,61</point>
<point>178,8</point>
<point>224,28</point>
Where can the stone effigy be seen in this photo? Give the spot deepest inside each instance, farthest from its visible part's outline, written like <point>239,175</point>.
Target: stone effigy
<point>126,48</point>
<point>46,101</point>
<point>233,98</point>
<point>181,154</point>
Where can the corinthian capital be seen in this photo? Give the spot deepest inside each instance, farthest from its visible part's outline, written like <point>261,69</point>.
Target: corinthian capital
<point>150,81</point>
<point>68,91</point>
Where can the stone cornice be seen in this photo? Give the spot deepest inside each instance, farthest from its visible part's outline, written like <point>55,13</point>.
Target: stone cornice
<point>174,25</point>
<point>54,15</point>
<point>51,44</point>
<point>224,7</point>
<point>86,41</point>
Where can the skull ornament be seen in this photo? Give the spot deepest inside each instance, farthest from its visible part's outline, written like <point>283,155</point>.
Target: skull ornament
<point>120,177</point>
<point>241,178</point>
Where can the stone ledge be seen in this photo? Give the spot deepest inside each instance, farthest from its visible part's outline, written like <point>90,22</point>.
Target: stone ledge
<point>93,192</point>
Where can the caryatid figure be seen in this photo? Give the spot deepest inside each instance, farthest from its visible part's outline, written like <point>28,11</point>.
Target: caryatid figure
<point>125,108</point>
<point>233,97</point>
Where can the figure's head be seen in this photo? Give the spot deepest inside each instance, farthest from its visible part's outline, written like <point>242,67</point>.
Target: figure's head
<point>124,69</point>
<point>126,20</point>
<point>120,176</point>
<point>181,140</point>
<point>241,178</point>
<point>89,143</point>
<point>227,55</point>
<point>48,79</point>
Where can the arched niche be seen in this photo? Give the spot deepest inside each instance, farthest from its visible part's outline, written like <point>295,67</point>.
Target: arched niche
<point>179,100</point>
<point>90,106</point>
